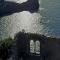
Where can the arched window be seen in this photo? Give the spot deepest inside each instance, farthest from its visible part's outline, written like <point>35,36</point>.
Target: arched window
<point>37,47</point>
<point>32,46</point>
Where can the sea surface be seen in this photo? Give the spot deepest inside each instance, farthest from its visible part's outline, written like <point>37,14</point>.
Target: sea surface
<point>46,21</point>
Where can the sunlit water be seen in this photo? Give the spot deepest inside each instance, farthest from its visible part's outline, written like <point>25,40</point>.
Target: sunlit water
<point>46,21</point>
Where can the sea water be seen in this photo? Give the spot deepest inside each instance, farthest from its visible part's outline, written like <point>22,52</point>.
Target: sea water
<point>46,21</point>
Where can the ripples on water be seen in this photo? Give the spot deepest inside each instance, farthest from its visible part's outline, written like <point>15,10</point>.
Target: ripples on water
<point>46,21</point>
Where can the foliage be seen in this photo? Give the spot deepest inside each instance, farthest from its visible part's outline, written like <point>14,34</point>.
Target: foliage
<point>4,45</point>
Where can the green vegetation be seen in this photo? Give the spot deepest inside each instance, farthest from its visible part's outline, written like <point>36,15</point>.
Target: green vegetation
<point>5,44</point>
<point>7,41</point>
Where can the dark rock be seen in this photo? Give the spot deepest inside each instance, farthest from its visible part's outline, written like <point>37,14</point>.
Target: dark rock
<point>7,8</point>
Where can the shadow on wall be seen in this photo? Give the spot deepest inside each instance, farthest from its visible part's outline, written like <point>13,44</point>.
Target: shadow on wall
<point>7,8</point>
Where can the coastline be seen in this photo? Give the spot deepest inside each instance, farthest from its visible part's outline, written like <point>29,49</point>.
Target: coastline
<point>52,45</point>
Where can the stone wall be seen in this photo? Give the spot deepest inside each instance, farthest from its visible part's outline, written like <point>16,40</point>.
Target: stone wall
<point>54,48</point>
<point>50,47</point>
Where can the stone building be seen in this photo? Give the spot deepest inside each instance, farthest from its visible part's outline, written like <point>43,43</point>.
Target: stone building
<point>31,46</point>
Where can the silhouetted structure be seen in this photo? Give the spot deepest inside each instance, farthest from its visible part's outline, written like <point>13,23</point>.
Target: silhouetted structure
<point>7,8</point>
<point>23,46</point>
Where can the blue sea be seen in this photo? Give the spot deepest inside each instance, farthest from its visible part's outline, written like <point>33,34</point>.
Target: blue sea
<point>46,21</point>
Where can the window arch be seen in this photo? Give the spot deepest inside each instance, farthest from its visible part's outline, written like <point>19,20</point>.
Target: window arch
<point>37,47</point>
<point>32,46</point>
